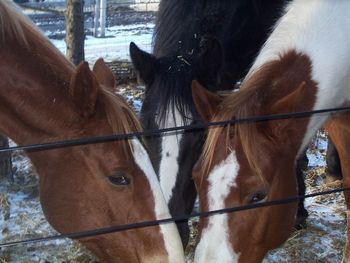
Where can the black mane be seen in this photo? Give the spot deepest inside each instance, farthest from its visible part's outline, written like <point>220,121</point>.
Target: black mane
<point>240,26</point>
<point>175,73</point>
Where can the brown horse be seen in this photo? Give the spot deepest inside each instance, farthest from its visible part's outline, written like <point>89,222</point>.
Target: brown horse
<point>44,98</point>
<point>304,65</point>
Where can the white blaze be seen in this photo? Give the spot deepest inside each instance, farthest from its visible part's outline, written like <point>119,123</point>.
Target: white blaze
<point>171,236</point>
<point>169,167</point>
<point>214,245</point>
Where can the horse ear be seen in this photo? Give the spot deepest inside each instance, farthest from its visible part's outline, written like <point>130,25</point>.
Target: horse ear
<point>143,63</point>
<point>210,60</point>
<point>104,74</point>
<point>205,101</point>
<point>287,104</point>
<point>83,89</point>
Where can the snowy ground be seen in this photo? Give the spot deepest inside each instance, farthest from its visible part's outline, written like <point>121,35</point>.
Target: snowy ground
<point>115,46</point>
<point>323,239</point>
<point>21,216</point>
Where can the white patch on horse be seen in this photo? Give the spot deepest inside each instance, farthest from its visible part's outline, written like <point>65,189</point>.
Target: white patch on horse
<point>169,166</point>
<point>320,30</point>
<point>214,245</point>
<point>171,236</point>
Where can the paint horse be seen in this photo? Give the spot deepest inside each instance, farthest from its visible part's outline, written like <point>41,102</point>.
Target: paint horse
<point>44,98</point>
<point>185,49</point>
<point>304,66</point>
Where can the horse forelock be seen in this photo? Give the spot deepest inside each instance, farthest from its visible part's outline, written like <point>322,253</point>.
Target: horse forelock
<point>121,118</point>
<point>171,89</point>
<point>174,106</point>
<point>235,106</point>
<point>247,103</point>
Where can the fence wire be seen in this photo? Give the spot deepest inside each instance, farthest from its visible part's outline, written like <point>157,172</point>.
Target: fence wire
<point>181,218</point>
<point>158,132</point>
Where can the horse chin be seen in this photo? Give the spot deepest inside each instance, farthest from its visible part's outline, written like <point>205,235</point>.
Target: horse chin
<point>255,255</point>
<point>108,252</point>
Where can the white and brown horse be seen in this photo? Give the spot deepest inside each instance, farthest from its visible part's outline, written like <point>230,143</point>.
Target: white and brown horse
<point>44,98</point>
<point>304,66</point>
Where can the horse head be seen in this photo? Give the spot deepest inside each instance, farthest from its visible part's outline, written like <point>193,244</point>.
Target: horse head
<point>44,98</point>
<point>168,103</point>
<point>238,166</point>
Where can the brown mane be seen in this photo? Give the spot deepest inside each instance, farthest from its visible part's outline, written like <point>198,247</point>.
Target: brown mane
<point>120,116</point>
<point>235,106</point>
<point>15,27</point>
<point>248,102</point>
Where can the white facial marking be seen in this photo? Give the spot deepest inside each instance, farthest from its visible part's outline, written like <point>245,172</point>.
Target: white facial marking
<point>169,167</point>
<point>171,236</point>
<point>214,245</point>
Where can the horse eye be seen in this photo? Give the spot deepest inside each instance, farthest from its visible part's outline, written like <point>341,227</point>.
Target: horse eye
<point>257,197</point>
<point>119,178</point>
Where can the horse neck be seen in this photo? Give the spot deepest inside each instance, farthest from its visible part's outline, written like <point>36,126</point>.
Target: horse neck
<point>302,30</point>
<point>167,32</point>
<point>181,24</point>
<point>33,102</point>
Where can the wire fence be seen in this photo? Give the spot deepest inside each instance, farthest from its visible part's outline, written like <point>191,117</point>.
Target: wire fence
<point>177,129</point>
<point>181,218</point>
<point>114,18</point>
<point>158,132</point>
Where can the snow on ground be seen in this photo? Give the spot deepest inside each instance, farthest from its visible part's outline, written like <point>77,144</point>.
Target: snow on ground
<point>115,46</point>
<point>21,216</point>
<point>323,239</point>
<point>316,157</point>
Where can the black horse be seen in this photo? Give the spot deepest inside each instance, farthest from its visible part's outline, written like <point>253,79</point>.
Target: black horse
<point>211,41</point>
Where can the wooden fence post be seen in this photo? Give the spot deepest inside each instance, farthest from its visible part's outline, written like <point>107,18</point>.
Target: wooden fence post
<point>75,35</point>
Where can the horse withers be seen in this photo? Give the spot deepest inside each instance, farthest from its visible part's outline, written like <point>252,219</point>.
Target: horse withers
<point>44,98</point>
<point>212,41</point>
<point>300,68</point>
